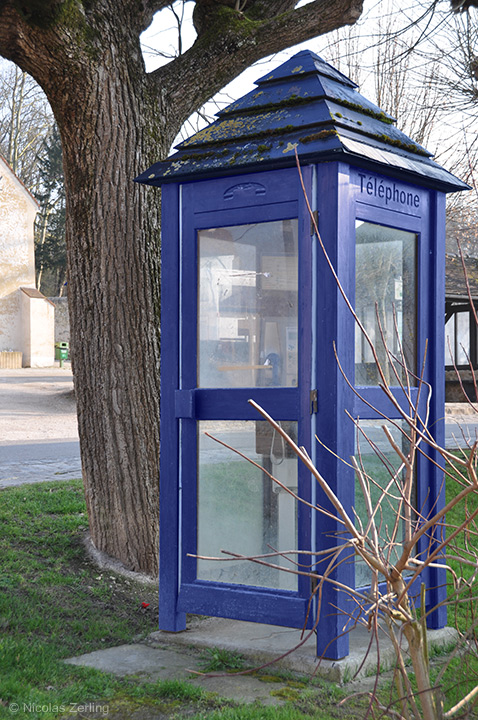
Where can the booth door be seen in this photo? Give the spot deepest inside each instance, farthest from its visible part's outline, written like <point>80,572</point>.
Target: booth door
<point>245,327</point>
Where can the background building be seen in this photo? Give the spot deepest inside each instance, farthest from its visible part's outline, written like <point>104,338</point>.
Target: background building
<point>26,317</point>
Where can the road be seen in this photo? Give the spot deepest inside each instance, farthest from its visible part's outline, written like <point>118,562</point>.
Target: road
<point>38,428</point>
<point>39,433</point>
<point>461,431</point>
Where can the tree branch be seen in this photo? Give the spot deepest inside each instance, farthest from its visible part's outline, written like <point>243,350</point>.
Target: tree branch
<point>36,13</point>
<point>142,13</point>
<point>34,40</point>
<point>205,10</point>
<point>229,40</point>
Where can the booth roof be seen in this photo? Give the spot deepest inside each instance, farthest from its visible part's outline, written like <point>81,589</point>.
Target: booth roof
<point>304,106</point>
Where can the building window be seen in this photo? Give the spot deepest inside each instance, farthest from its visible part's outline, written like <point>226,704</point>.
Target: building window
<point>460,336</point>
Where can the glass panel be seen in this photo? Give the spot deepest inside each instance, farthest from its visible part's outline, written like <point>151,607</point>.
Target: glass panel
<point>385,300</point>
<point>382,472</point>
<point>248,291</point>
<point>240,509</point>
<point>462,325</point>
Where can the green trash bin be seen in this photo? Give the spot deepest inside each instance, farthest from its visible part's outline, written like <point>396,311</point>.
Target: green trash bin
<point>61,352</point>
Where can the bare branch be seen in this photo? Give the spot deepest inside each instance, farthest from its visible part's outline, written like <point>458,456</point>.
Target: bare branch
<point>459,705</point>
<point>229,41</point>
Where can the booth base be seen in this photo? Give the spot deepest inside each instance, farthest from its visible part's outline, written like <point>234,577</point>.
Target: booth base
<point>172,656</point>
<point>261,644</point>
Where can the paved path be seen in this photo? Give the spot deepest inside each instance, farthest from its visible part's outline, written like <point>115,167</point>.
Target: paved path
<point>39,433</point>
<point>38,428</point>
<point>461,430</point>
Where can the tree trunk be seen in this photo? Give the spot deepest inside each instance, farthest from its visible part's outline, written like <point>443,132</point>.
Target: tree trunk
<point>113,293</point>
<point>115,121</point>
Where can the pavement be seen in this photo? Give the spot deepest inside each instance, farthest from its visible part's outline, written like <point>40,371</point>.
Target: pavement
<point>461,425</point>
<point>39,441</point>
<point>38,427</point>
<point>39,432</point>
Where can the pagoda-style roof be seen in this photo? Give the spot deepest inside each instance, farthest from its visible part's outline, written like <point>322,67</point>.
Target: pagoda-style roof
<point>305,105</point>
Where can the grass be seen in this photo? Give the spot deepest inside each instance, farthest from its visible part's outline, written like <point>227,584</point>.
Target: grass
<point>55,603</point>
<point>252,712</point>
<point>462,675</point>
<point>215,659</point>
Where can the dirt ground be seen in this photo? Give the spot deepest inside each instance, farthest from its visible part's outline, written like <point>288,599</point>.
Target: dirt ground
<point>37,404</point>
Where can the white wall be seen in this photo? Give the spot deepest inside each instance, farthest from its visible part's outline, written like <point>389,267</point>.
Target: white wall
<point>17,260</point>
<point>26,318</point>
<point>38,329</point>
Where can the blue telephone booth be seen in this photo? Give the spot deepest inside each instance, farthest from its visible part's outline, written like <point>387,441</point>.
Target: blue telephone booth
<point>250,309</point>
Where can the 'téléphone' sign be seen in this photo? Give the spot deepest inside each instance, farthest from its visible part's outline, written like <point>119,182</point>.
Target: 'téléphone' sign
<point>387,193</point>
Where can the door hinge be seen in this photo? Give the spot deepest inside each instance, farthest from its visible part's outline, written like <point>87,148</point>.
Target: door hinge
<point>185,403</point>
<point>314,581</point>
<point>314,405</point>
<point>314,219</point>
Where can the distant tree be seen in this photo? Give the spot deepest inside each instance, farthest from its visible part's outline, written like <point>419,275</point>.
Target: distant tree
<point>425,74</point>
<point>25,120</point>
<point>50,246</point>
<point>463,5</point>
<point>386,54</point>
<point>455,52</point>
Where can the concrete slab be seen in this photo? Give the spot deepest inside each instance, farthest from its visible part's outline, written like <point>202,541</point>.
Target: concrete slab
<point>162,663</point>
<point>137,659</point>
<point>174,655</point>
<point>262,644</point>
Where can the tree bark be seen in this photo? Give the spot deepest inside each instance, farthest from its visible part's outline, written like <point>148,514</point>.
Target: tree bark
<point>113,278</point>
<point>114,121</point>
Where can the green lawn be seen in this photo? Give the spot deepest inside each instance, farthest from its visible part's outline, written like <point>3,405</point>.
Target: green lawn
<point>463,673</point>
<point>54,603</point>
